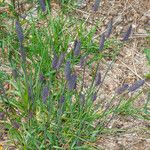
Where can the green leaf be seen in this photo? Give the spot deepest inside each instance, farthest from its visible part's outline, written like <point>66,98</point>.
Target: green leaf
<point>147,52</point>
<point>147,76</point>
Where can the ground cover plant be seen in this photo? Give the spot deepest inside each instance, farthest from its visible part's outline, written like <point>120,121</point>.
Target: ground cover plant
<point>49,104</point>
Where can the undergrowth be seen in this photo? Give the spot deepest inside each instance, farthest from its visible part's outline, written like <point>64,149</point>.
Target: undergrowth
<point>49,103</point>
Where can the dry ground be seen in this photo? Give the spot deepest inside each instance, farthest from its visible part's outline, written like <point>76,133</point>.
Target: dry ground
<point>131,65</point>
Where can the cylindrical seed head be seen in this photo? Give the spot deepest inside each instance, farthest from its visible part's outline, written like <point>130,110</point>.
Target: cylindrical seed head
<point>77,48</point>
<point>109,29</point>
<point>102,42</point>
<point>98,79</point>
<point>127,34</point>
<point>19,32</point>
<point>54,61</point>
<point>96,5</point>
<point>122,89</point>
<point>42,5</point>
<point>136,85</point>
<point>94,96</point>
<point>68,70</point>
<point>45,93</point>
<point>60,60</point>
<point>72,82</point>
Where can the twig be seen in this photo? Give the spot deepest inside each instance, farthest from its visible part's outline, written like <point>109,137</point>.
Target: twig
<point>133,72</point>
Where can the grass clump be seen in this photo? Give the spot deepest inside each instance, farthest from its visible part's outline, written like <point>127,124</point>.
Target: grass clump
<point>48,105</point>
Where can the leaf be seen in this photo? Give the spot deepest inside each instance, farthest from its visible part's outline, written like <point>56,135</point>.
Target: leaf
<point>147,76</point>
<point>147,52</point>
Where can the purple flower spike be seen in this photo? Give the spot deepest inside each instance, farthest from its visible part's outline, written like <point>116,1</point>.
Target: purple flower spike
<point>96,5</point>
<point>98,79</point>
<point>41,77</point>
<point>42,5</point>
<point>45,93</point>
<point>72,82</point>
<point>102,42</point>
<point>94,96</point>
<point>68,70</point>
<point>60,60</point>
<point>109,29</point>
<point>54,61</point>
<point>19,32</point>
<point>82,61</point>
<point>2,115</point>
<point>22,53</point>
<point>127,34</point>
<point>122,89</point>
<point>30,92</point>
<point>62,99</point>
<point>77,48</point>
<point>136,85</point>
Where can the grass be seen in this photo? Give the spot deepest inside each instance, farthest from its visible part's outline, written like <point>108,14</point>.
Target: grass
<point>41,110</point>
<point>147,52</point>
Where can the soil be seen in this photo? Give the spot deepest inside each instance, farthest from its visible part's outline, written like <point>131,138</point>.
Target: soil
<point>130,65</point>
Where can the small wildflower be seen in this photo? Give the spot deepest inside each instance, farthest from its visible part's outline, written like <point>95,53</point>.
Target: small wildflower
<point>72,82</point>
<point>68,70</point>
<point>77,48</point>
<point>54,61</point>
<point>19,32</point>
<point>60,60</point>
<point>109,29</point>
<point>42,5</point>
<point>98,79</point>
<point>127,34</point>
<point>122,89</point>
<point>102,41</point>
<point>45,93</point>
<point>136,85</point>
<point>96,5</point>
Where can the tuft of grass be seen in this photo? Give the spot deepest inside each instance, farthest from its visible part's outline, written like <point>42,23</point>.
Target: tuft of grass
<point>48,105</point>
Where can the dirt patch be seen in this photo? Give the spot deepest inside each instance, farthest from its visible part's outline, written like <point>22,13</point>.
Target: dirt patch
<point>132,135</point>
<point>130,65</point>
